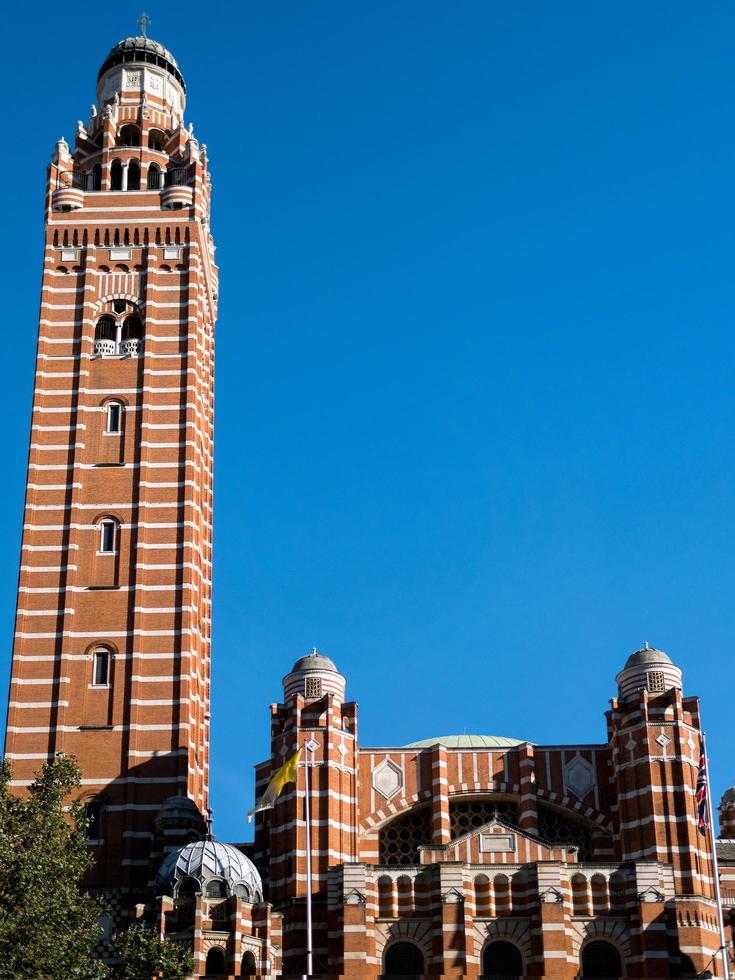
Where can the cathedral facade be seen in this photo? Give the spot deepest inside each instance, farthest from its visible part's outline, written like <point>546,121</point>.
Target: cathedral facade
<point>455,856</point>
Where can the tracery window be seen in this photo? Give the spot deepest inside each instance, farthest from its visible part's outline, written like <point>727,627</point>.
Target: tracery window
<point>557,828</point>
<point>468,815</point>
<point>399,841</point>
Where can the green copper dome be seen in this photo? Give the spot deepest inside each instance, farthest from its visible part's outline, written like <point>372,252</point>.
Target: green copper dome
<point>467,742</point>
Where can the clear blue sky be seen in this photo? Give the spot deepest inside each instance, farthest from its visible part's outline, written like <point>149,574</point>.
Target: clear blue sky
<point>474,431</point>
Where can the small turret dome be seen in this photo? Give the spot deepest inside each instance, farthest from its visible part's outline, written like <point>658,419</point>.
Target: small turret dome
<point>312,677</point>
<point>142,49</point>
<point>726,812</point>
<point>141,68</point>
<point>180,813</point>
<point>314,661</point>
<point>214,869</point>
<point>648,669</point>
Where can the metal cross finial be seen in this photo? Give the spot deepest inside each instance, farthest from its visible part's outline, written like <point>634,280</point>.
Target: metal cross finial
<point>645,644</point>
<point>313,651</point>
<point>208,822</point>
<point>144,20</point>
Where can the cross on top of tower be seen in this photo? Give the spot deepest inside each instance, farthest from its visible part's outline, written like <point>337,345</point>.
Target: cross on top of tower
<point>143,21</point>
<point>208,821</point>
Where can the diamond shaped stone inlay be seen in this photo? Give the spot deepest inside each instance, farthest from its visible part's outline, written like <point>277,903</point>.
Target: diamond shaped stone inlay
<point>663,740</point>
<point>341,749</point>
<point>311,745</point>
<point>579,777</point>
<point>387,779</point>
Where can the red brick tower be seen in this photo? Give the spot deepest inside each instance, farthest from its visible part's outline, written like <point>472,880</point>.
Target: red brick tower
<point>111,660</point>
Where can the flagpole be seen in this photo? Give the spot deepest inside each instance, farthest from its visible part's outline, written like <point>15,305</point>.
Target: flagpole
<point>715,867</point>
<point>307,819</point>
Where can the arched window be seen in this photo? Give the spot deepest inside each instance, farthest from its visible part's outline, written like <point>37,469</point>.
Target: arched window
<point>482,896</point>
<point>502,959</point>
<point>105,329</point>
<point>101,667</point>
<point>131,337</point>
<point>93,813</point>
<point>216,888</point>
<point>601,959</point>
<point>580,899</point>
<point>96,182</point>
<point>116,176</point>
<point>156,139</point>
<point>188,888</point>
<point>599,894</point>
<point>404,888</point>
<point>248,965</point>
<point>215,965</point>
<point>114,417</point>
<point>242,891</point>
<point>501,890</point>
<point>108,536</point>
<point>403,960</point>
<point>128,136</point>
<point>133,176</point>
<point>386,904</point>
<point>132,328</point>
<point>155,177</point>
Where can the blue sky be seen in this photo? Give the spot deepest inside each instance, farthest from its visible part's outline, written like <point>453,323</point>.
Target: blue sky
<point>474,385</point>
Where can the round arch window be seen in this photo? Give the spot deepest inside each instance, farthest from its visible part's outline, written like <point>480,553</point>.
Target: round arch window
<point>403,960</point>
<point>502,959</point>
<point>601,959</point>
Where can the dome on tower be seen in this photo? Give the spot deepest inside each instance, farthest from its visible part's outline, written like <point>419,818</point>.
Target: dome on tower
<point>214,869</point>
<point>648,669</point>
<point>142,50</point>
<point>180,813</point>
<point>312,677</point>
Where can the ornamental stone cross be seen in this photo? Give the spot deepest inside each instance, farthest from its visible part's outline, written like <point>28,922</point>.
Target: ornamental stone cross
<point>144,20</point>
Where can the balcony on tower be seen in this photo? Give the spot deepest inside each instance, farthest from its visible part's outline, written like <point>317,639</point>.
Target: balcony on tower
<point>118,338</point>
<point>71,186</point>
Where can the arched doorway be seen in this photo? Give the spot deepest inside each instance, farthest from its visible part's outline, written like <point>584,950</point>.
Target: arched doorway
<point>502,959</point>
<point>248,965</point>
<point>215,965</point>
<point>403,960</point>
<point>601,959</point>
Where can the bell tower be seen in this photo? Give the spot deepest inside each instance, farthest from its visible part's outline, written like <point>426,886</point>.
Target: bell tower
<point>111,657</point>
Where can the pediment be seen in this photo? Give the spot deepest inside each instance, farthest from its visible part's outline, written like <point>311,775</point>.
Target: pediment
<point>495,842</point>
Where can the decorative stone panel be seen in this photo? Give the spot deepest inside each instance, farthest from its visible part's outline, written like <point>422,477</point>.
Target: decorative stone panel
<point>387,779</point>
<point>579,777</point>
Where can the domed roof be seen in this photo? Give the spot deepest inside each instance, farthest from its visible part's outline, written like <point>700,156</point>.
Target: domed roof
<point>206,860</point>
<point>142,48</point>
<point>647,655</point>
<point>179,809</point>
<point>729,795</point>
<point>313,661</point>
<point>466,742</point>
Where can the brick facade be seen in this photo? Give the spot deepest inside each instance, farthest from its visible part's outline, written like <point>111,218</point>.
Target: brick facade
<point>112,643</point>
<point>462,843</point>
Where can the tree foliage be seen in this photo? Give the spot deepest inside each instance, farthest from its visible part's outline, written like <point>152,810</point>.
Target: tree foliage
<point>48,926</point>
<point>143,954</point>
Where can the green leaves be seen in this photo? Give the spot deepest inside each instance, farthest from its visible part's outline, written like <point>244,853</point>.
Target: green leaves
<point>48,926</point>
<point>143,954</point>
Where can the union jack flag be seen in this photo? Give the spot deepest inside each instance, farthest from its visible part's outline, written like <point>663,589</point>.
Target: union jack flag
<point>701,794</point>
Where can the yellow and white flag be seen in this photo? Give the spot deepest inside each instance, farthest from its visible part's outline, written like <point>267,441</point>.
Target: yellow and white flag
<point>286,774</point>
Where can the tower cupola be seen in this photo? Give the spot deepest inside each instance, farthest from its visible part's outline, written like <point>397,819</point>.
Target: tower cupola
<point>726,811</point>
<point>648,669</point>
<point>139,66</point>
<point>312,677</point>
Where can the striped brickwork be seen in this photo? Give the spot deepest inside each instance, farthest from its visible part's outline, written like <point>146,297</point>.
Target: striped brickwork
<point>477,868</point>
<point>143,733</point>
